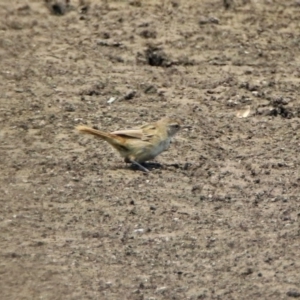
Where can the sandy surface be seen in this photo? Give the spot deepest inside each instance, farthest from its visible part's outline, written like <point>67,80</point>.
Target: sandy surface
<point>219,219</point>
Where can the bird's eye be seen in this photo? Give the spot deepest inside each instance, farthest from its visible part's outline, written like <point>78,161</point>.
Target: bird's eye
<point>176,125</point>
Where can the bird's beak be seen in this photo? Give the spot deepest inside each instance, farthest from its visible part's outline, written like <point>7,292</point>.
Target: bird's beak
<point>186,127</point>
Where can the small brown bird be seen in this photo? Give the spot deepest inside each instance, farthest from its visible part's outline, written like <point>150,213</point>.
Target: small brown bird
<point>142,144</point>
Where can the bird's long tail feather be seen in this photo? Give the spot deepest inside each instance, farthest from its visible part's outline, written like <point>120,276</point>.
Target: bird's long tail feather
<point>112,139</point>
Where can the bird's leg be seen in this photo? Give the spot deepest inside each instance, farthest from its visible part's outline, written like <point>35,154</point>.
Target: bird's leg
<point>139,165</point>
<point>132,161</point>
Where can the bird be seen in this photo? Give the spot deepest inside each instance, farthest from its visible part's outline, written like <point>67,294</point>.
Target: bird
<point>139,145</point>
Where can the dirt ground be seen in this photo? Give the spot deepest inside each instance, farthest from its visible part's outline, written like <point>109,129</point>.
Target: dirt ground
<point>219,219</point>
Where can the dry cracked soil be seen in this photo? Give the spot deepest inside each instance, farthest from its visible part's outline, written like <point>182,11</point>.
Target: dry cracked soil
<point>218,218</point>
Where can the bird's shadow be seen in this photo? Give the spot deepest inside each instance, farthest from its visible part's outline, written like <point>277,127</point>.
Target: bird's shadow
<point>148,165</point>
<point>157,166</point>
<point>151,166</point>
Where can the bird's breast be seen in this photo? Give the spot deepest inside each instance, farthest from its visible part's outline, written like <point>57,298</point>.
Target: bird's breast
<point>151,150</point>
<point>160,147</point>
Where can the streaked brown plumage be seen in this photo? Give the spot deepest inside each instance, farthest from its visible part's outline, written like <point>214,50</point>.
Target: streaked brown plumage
<point>142,144</point>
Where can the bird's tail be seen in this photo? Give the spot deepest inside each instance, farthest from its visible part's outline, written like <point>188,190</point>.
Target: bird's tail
<point>113,139</point>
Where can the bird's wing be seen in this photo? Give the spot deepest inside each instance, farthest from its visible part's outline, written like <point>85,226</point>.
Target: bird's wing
<point>144,135</point>
<point>130,133</point>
